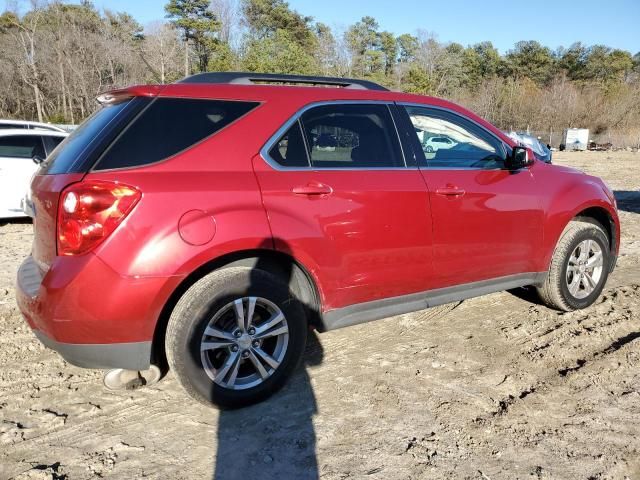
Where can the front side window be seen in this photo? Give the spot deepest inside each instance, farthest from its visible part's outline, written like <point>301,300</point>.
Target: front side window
<point>21,146</point>
<point>450,141</point>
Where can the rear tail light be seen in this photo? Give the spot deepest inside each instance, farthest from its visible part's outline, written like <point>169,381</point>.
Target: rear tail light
<point>89,212</point>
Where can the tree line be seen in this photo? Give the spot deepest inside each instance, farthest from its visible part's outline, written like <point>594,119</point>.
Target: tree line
<point>56,57</point>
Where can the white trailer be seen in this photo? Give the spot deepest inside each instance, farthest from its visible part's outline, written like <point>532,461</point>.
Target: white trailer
<point>576,138</point>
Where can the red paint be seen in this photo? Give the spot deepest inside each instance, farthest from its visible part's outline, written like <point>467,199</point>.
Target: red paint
<point>361,236</point>
<point>196,227</point>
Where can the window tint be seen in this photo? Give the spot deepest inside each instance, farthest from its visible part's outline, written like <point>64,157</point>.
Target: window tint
<point>448,140</point>
<point>290,150</point>
<point>21,146</point>
<point>351,136</point>
<point>168,126</point>
<point>63,159</point>
<point>7,126</point>
<point>51,142</point>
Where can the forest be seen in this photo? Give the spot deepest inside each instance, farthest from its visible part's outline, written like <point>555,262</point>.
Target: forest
<point>56,57</point>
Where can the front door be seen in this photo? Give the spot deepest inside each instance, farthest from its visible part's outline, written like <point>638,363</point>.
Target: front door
<point>487,220</point>
<point>340,199</point>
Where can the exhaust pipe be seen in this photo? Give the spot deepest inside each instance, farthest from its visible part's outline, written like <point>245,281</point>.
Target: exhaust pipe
<point>121,379</point>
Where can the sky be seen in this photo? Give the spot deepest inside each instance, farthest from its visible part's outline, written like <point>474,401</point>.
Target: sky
<point>554,23</point>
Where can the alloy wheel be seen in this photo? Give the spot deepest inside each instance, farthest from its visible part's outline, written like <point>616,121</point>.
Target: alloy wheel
<point>244,343</point>
<point>584,269</point>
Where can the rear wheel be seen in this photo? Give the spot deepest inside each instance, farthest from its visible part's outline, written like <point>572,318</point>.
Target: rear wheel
<point>579,267</point>
<point>235,337</point>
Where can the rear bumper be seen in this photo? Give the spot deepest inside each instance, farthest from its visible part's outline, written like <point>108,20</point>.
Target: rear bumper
<point>94,317</point>
<point>131,356</point>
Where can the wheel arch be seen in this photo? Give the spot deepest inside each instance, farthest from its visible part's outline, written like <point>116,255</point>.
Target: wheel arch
<point>599,212</point>
<point>300,280</point>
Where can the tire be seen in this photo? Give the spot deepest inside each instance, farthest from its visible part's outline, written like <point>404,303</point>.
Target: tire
<point>213,302</point>
<point>563,288</point>
<point>429,149</point>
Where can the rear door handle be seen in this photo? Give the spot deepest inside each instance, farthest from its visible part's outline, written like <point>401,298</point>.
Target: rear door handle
<point>313,188</point>
<point>450,191</point>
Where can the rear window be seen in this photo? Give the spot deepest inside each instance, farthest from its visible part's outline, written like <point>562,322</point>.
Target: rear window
<point>168,126</point>
<point>72,150</point>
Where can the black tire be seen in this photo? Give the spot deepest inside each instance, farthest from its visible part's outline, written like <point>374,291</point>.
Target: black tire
<point>555,290</point>
<point>429,149</point>
<point>198,306</point>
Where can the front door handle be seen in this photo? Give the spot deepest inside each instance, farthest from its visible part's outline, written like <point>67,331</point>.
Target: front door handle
<point>313,188</point>
<point>450,191</point>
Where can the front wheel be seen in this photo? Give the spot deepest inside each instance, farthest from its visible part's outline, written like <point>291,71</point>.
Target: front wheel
<point>235,337</point>
<point>579,267</point>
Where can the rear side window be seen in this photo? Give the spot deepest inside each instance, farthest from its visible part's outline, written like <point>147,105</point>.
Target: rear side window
<point>290,150</point>
<point>21,146</point>
<point>168,126</point>
<point>351,136</point>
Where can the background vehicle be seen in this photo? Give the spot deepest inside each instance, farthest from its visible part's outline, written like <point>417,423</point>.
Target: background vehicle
<point>21,152</point>
<point>575,139</point>
<point>218,249</point>
<point>433,144</point>
<point>23,124</point>
<point>542,151</point>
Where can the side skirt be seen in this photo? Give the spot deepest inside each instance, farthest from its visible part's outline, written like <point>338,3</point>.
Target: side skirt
<point>389,307</point>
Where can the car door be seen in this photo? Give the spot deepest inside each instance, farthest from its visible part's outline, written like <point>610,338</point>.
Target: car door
<point>16,169</point>
<point>487,220</point>
<point>348,208</point>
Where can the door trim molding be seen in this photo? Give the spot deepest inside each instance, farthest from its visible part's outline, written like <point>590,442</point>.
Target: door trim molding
<point>389,307</point>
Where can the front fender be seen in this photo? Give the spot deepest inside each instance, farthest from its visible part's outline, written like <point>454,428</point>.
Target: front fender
<point>571,194</point>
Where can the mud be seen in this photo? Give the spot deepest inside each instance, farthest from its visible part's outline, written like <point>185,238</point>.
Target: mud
<point>496,388</point>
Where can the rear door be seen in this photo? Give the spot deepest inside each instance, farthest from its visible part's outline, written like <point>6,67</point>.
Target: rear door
<point>16,169</point>
<point>487,220</point>
<point>340,198</point>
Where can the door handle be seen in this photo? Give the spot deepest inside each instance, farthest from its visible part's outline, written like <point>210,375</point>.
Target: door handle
<point>313,188</point>
<point>450,191</point>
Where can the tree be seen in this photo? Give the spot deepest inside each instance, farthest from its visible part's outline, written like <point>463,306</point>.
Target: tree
<point>532,60</point>
<point>198,24</point>
<point>364,43</point>
<point>327,49</point>
<point>573,60</point>
<point>408,46</point>
<point>389,47</point>
<point>604,64</point>
<point>278,53</point>
<point>266,17</point>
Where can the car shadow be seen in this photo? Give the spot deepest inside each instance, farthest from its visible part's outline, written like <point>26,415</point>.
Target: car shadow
<point>15,221</point>
<point>275,438</point>
<point>628,201</point>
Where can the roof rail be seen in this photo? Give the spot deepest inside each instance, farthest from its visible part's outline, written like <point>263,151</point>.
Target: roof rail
<point>247,78</point>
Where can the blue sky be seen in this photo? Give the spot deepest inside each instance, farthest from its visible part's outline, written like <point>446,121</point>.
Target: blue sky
<point>615,23</point>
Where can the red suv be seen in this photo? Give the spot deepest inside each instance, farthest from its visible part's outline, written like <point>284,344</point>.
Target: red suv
<point>211,222</point>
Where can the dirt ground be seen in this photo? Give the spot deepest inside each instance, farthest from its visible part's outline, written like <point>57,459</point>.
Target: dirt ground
<point>497,388</point>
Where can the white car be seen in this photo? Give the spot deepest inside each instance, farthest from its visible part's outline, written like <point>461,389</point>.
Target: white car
<point>21,152</point>
<point>26,125</point>
<point>434,144</point>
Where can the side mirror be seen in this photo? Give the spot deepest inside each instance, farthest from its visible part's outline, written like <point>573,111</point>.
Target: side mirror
<point>37,159</point>
<point>519,158</point>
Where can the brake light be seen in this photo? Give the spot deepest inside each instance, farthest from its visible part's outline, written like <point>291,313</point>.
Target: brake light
<point>89,212</point>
